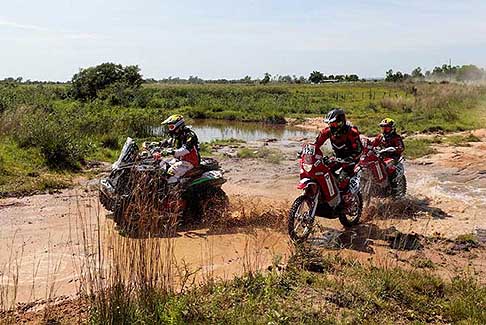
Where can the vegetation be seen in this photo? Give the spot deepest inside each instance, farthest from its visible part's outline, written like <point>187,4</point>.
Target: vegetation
<point>416,148</point>
<point>66,125</point>
<point>24,171</point>
<point>445,73</point>
<point>316,77</point>
<point>273,156</point>
<point>311,289</point>
<point>108,81</point>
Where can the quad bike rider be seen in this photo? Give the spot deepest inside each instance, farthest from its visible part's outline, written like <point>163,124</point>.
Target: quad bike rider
<point>142,187</point>
<point>345,142</point>
<point>390,146</point>
<point>183,144</point>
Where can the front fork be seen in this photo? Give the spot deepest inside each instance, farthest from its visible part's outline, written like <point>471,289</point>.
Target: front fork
<point>312,192</point>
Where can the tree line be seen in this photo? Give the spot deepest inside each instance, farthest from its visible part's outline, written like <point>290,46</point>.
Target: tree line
<point>87,83</point>
<point>446,72</point>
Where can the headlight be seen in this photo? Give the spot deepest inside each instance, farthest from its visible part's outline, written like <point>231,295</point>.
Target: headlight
<point>307,167</point>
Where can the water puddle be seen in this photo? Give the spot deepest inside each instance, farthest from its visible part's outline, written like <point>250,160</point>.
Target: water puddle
<point>208,130</point>
<point>465,188</point>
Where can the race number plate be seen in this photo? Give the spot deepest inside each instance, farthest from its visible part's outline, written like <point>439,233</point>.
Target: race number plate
<point>309,149</point>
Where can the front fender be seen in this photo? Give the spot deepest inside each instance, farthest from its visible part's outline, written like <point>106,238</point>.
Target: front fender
<point>305,183</point>
<point>354,183</point>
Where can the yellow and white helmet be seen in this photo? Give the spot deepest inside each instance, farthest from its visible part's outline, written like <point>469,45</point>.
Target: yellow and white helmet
<point>388,123</point>
<point>173,123</point>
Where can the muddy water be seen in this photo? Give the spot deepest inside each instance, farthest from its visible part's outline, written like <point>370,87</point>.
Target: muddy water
<point>47,240</point>
<point>208,130</point>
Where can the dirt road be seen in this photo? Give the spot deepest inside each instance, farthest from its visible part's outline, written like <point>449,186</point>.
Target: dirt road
<point>41,235</point>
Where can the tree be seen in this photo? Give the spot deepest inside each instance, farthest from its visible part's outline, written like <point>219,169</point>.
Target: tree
<point>395,77</point>
<point>87,83</point>
<point>352,77</point>
<point>316,77</point>
<point>266,78</point>
<point>417,73</point>
<point>285,79</point>
<point>246,80</point>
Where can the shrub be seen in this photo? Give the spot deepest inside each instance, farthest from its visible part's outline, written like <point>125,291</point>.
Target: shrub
<point>57,138</point>
<point>110,141</point>
<point>88,83</point>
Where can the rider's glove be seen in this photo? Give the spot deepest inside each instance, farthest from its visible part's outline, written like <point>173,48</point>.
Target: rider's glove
<point>157,155</point>
<point>328,160</point>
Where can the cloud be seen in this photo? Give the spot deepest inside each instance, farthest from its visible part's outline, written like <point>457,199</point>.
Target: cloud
<point>8,23</point>
<point>58,34</point>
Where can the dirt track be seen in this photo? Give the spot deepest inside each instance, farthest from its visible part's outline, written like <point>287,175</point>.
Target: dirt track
<point>41,234</point>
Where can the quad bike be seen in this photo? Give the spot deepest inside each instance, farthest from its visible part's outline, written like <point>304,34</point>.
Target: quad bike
<point>324,194</point>
<point>137,192</point>
<point>381,176</point>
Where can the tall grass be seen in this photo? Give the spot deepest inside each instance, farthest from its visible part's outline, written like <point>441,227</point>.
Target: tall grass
<point>126,276</point>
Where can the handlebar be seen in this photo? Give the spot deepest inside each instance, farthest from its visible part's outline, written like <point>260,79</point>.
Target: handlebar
<point>331,159</point>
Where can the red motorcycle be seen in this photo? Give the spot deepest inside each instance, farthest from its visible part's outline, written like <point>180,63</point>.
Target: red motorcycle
<point>380,176</point>
<point>324,194</point>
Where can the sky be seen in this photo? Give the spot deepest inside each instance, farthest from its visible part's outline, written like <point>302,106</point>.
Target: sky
<point>52,40</point>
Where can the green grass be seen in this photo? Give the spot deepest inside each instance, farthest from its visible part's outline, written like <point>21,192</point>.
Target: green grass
<point>460,140</point>
<point>270,155</point>
<point>207,148</point>
<point>468,239</point>
<point>63,133</point>
<point>342,291</point>
<point>416,148</point>
<point>23,171</point>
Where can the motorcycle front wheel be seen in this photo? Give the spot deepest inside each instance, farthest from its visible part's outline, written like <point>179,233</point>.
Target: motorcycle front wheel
<point>352,212</point>
<point>399,187</point>
<point>301,219</point>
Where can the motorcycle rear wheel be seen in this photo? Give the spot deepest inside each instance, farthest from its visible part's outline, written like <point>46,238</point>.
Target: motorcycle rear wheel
<point>297,218</point>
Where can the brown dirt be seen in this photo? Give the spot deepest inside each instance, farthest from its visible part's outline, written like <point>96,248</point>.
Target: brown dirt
<point>41,234</point>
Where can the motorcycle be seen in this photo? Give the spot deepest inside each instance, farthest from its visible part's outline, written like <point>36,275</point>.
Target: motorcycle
<point>381,176</point>
<point>137,189</point>
<point>324,194</point>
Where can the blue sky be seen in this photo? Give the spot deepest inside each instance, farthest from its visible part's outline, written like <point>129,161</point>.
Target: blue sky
<point>51,40</point>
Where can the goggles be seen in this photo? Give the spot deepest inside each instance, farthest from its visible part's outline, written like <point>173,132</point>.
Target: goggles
<point>334,124</point>
<point>171,127</point>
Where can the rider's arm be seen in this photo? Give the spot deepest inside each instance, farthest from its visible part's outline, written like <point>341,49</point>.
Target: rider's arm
<point>322,137</point>
<point>376,141</point>
<point>190,143</point>
<point>399,146</point>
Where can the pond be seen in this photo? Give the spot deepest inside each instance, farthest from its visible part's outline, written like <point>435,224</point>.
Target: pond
<point>208,130</point>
